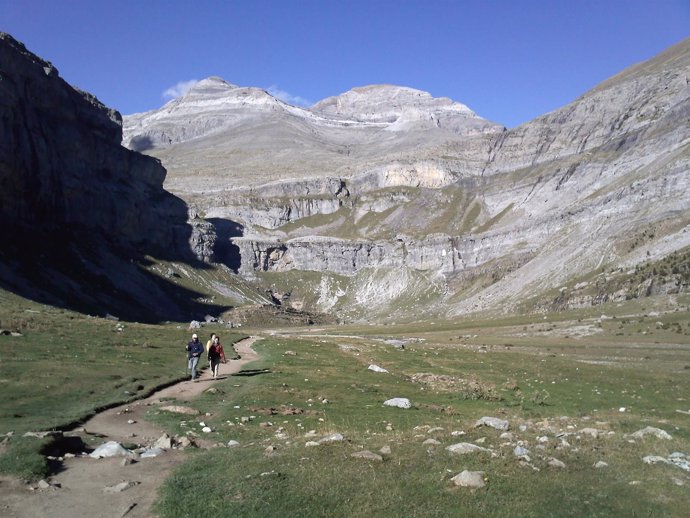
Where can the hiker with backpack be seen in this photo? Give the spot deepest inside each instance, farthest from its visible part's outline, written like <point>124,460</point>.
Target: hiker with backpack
<point>194,350</point>
<point>215,355</point>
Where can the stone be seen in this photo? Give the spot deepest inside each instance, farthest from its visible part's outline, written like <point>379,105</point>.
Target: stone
<point>207,429</point>
<point>398,402</point>
<point>152,452</point>
<point>650,430</point>
<point>334,437</point>
<point>164,442</point>
<point>233,443</point>
<point>376,368</point>
<point>366,454</point>
<point>463,448</point>
<point>43,484</point>
<point>177,409</point>
<point>385,450</point>
<point>110,449</point>
<point>520,451</point>
<point>493,422</point>
<point>555,463</point>
<point>593,432</point>
<point>431,442</point>
<point>655,459</point>
<point>601,464</point>
<point>471,479</point>
<point>119,488</point>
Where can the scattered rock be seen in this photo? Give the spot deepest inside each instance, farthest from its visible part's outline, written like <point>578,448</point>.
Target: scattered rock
<point>334,437</point>
<point>207,429</point>
<point>110,449</point>
<point>472,479</point>
<point>555,463</point>
<point>366,454</point>
<point>650,430</point>
<point>176,409</point>
<point>386,450</point>
<point>601,464</point>
<point>591,431</point>
<point>398,402</point>
<point>119,488</point>
<point>164,442</point>
<point>233,443</point>
<point>520,451</point>
<point>289,353</point>
<point>431,442</point>
<point>194,324</point>
<point>465,447</point>
<point>493,422</point>
<point>376,368</point>
<point>43,484</point>
<point>654,459</point>
<point>152,452</point>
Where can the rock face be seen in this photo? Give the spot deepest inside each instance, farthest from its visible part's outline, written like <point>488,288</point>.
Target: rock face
<point>79,212</point>
<point>386,198</point>
<point>61,162</point>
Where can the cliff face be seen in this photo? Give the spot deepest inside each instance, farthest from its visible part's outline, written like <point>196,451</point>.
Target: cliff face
<point>80,215</point>
<point>62,165</point>
<point>375,181</point>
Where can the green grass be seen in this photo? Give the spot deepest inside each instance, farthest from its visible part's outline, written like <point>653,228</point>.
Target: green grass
<point>535,371</point>
<point>545,383</point>
<point>65,366</point>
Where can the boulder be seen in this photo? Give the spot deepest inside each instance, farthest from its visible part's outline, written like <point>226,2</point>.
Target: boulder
<point>493,422</point>
<point>366,454</point>
<point>465,447</point>
<point>398,402</point>
<point>650,430</point>
<point>110,449</point>
<point>472,479</point>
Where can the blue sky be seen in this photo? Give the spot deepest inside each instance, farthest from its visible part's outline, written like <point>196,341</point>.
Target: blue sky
<point>509,61</point>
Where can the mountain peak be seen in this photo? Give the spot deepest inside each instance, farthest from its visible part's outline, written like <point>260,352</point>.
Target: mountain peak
<point>388,103</point>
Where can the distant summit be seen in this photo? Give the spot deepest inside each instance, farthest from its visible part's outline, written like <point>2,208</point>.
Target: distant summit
<point>388,103</point>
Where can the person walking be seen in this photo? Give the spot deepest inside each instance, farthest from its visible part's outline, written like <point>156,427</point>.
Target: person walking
<point>194,350</point>
<point>215,355</point>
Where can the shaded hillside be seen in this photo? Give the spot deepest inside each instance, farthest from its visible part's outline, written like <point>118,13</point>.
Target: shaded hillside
<point>82,216</point>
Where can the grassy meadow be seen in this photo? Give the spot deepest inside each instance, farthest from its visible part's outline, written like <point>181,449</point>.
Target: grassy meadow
<point>554,377</point>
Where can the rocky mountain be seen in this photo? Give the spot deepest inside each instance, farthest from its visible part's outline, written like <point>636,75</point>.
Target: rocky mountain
<point>385,201</point>
<point>81,216</point>
<point>219,136</point>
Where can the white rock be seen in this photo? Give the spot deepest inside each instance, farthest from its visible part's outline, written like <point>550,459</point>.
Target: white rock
<point>555,463</point>
<point>386,450</point>
<point>462,448</point>
<point>110,449</point>
<point>601,464</point>
<point>206,429</point>
<point>164,442</point>
<point>591,431</point>
<point>152,452</point>
<point>399,402</point>
<point>431,442</point>
<point>650,430</point>
<point>520,451</point>
<point>655,459</point>
<point>119,488</point>
<point>311,443</point>
<point>469,479</point>
<point>493,422</point>
<point>232,443</point>
<point>366,454</point>
<point>376,368</point>
<point>334,437</point>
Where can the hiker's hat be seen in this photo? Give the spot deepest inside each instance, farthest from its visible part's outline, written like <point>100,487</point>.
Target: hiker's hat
<point>195,335</point>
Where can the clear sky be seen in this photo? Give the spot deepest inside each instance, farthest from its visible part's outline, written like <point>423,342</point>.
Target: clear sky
<point>508,60</point>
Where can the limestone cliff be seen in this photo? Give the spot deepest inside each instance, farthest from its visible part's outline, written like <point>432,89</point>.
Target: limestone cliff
<point>374,181</point>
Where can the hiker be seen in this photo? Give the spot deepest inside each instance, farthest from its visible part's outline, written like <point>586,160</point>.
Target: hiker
<point>194,350</point>
<point>210,341</point>
<point>215,355</point>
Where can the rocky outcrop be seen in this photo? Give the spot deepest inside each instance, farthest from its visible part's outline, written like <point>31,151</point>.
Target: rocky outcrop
<point>389,179</point>
<point>62,166</point>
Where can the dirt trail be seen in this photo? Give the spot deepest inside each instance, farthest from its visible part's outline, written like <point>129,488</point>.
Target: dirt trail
<point>82,479</point>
